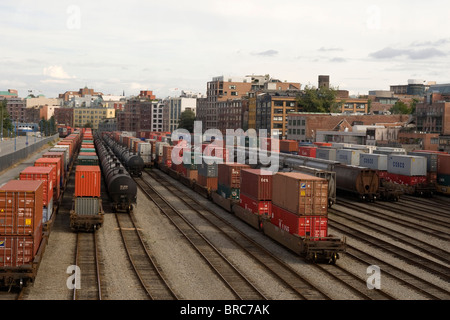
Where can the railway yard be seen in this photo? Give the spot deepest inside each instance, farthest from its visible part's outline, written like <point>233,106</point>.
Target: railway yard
<point>177,244</point>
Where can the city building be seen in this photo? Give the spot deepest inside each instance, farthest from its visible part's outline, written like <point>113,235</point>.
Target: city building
<point>112,101</point>
<point>80,93</point>
<point>47,111</point>
<point>173,108</point>
<point>41,101</point>
<point>433,115</point>
<point>11,93</point>
<point>64,116</point>
<point>91,116</point>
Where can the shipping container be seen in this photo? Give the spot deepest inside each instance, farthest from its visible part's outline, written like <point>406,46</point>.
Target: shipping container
<point>57,178</point>
<point>227,192</point>
<point>348,156</point>
<point>44,174</point>
<point>192,174</point>
<point>209,166</point>
<point>87,150</point>
<point>326,153</point>
<point>21,205</point>
<point>57,155</point>
<point>306,151</point>
<point>87,206</point>
<point>208,182</point>
<point>87,161</point>
<point>87,181</point>
<point>300,193</point>
<point>230,174</point>
<point>373,161</point>
<point>289,146</point>
<point>443,164</point>
<point>443,179</point>
<point>323,144</point>
<point>257,183</point>
<point>407,165</point>
<point>261,207</point>
<point>66,155</point>
<point>18,250</point>
<point>191,160</point>
<point>314,226</point>
<point>406,180</point>
<point>431,159</point>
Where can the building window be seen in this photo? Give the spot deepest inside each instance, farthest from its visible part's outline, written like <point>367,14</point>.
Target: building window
<point>434,140</point>
<point>232,87</point>
<point>234,93</point>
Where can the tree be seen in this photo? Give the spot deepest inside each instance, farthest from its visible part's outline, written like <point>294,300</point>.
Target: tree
<point>5,121</point>
<point>186,121</point>
<point>400,108</point>
<point>317,100</point>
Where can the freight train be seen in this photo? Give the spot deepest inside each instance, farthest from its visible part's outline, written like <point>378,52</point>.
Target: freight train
<point>121,187</point>
<point>87,210</point>
<point>32,202</point>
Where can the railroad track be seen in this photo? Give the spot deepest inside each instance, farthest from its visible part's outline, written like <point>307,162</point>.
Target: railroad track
<point>239,285</point>
<point>267,260</point>
<point>431,266</point>
<point>147,270</point>
<point>87,260</point>
<point>392,216</point>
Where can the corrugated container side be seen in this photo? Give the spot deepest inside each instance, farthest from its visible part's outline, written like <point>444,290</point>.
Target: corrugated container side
<point>348,156</point>
<point>209,182</point>
<point>44,174</point>
<point>443,179</point>
<point>431,159</point>
<point>261,207</point>
<point>326,153</point>
<point>16,251</point>
<point>87,181</point>
<point>407,165</point>
<point>307,151</point>
<point>230,174</point>
<point>288,145</point>
<point>373,161</point>
<point>87,206</point>
<point>257,183</point>
<point>300,193</point>
<point>443,164</point>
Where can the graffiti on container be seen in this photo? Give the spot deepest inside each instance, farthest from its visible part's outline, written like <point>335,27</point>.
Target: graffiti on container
<point>74,280</point>
<point>374,279</point>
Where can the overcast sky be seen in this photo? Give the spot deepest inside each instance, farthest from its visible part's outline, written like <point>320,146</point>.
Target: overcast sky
<point>113,46</point>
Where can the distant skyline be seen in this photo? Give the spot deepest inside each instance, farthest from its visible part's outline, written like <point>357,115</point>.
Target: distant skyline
<point>51,47</point>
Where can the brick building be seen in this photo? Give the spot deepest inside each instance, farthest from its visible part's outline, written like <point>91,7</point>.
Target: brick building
<point>433,115</point>
<point>66,96</point>
<point>64,116</point>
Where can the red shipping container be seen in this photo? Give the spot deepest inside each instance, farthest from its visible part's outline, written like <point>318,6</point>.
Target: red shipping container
<point>382,174</point>
<point>57,181</point>
<point>257,183</point>
<point>192,174</point>
<point>406,180</point>
<point>209,182</point>
<point>57,155</point>
<point>87,181</point>
<point>323,144</point>
<point>229,174</point>
<point>266,144</point>
<point>21,205</point>
<point>87,146</point>
<point>303,226</point>
<point>16,251</point>
<point>307,151</point>
<point>91,154</point>
<point>261,207</point>
<point>44,174</point>
<point>443,164</point>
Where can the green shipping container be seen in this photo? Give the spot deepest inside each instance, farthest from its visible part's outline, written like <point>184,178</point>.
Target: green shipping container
<point>227,192</point>
<point>88,161</point>
<point>443,180</point>
<point>87,150</point>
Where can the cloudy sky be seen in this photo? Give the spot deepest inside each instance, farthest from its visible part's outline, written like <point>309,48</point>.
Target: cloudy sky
<point>51,47</point>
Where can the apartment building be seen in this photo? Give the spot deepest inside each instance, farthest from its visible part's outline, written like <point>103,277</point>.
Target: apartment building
<point>173,108</point>
<point>93,116</point>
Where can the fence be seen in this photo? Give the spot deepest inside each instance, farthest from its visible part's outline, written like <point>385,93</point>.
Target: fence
<point>9,159</point>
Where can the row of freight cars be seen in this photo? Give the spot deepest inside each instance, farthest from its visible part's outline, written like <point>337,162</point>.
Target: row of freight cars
<point>27,211</point>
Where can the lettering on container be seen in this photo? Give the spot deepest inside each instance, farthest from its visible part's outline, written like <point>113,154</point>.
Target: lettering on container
<point>398,164</point>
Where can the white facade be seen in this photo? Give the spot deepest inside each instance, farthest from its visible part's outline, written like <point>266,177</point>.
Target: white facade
<point>157,115</point>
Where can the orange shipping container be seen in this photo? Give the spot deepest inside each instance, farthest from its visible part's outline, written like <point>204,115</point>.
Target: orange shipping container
<point>300,193</point>
<point>288,146</point>
<point>209,182</point>
<point>57,180</point>
<point>21,205</point>
<point>44,174</point>
<point>87,181</point>
<point>16,251</point>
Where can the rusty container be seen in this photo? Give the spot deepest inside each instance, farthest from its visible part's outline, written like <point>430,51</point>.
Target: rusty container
<point>18,250</point>
<point>300,193</point>
<point>257,183</point>
<point>44,174</point>
<point>289,146</point>
<point>208,182</point>
<point>229,174</point>
<point>21,206</point>
<point>87,181</point>
<point>443,164</point>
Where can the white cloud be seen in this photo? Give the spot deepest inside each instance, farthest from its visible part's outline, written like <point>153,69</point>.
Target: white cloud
<point>57,72</point>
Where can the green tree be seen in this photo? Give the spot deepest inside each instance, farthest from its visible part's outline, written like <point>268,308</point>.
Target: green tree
<point>317,100</point>
<point>400,108</point>
<point>5,120</point>
<point>186,121</point>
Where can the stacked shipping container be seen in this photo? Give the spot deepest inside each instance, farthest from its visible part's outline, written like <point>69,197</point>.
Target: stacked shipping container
<point>256,191</point>
<point>229,179</point>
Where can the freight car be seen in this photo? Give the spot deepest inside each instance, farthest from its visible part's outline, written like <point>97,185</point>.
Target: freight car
<point>363,182</point>
<point>120,185</point>
<point>132,162</point>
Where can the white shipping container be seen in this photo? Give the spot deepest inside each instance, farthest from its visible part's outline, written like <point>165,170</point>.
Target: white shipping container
<point>373,161</point>
<point>326,153</point>
<point>347,156</point>
<point>407,165</point>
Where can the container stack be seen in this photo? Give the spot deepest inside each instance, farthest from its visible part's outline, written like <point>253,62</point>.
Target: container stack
<point>21,206</point>
<point>44,174</point>
<point>300,204</point>
<point>191,162</point>
<point>432,158</point>
<point>167,156</point>
<point>256,191</point>
<point>376,162</point>
<point>348,156</point>
<point>407,170</point>
<point>57,178</point>
<point>159,151</point>
<point>229,179</point>
<point>208,172</point>
<point>443,173</point>
<point>307,151</point>
<point>326,153</point>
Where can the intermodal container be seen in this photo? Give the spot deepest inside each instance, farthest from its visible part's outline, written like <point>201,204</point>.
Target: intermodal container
<point>44,174</point>
<point>230,174</point>
<point>443,164</point>
<point>209,166</point>
<point>87,154</point>
<point>307,151</point>
<point>257,183</point>
<point>57,155</point>
<point>87,206</point>
<point>431,159</point>
<point>323,144</point>
<point>21,204</point>
<point>373,161</point>
<point>313,226</point>
<point>443,179</point>
<point>88,160</point>
<point>407,165</point>
<point>326,153</point>
<point>18,250</point>
<point>227,192</point>
<point>261,207</point>
<point>192,174</point>
<point>57,178</point>
<point>348,156</point>
<point>191,160</point>
<point>87,150</point>
<point>406,180</point>
<point>88,146</point>
<point>87,181</point>
<point>209,182</point>
<point>66,154</point>
<point>300,193</point>
<point>289,146</point>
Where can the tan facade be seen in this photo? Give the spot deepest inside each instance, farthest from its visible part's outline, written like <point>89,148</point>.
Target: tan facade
<point>82,116</point>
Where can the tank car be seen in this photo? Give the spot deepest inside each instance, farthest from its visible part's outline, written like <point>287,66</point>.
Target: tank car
<point>130,160</point>
<point>361,181</point>
<point>120,185</point>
